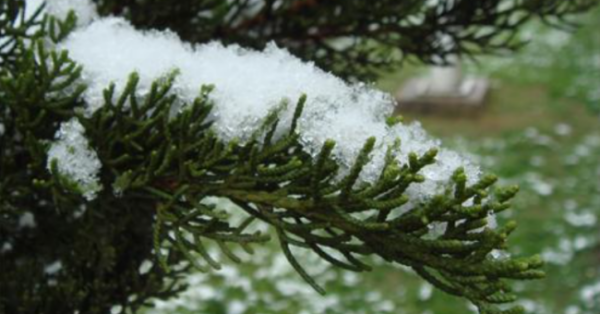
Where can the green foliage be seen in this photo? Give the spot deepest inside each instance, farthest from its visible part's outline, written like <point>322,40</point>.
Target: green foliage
<point>566,62</point>
<point>557,171</point>
<point>14,27</point>
<point>354,39</point>
<point>162,166</point>
<point>522,138</point>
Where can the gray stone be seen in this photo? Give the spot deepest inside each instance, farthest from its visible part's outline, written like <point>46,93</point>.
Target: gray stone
<point>422,95</point>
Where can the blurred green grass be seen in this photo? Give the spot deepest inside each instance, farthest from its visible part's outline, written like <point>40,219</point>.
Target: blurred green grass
<point>539,130</point>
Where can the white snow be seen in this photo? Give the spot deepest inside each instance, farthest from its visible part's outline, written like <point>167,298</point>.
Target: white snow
<point>563,129</point>
<point>425,291</point>
<point>75,159</point>
<point>581,219</point>
<point>84,9</point>
<point>54,268</point>
<point>6,247</point>
<point>27,220</point>
<point>248,85</point>
<point>116,309</point>
<point>145,267</point>
<point>566,250</point>
<point>31,6</point>
<point>589,294</point>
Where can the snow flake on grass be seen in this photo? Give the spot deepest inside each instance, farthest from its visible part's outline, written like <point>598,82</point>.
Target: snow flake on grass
<point>581,219</point>
<point>566,250</point>
<point>271,285</point>
<point>538,184</point>
<point>589,294</point>
<point>75,160</point>
<point>563,129</point>
<point>425,291</point>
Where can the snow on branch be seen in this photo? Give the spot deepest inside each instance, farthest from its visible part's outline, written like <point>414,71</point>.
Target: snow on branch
<point>75,160</point>
<point>249,85</point>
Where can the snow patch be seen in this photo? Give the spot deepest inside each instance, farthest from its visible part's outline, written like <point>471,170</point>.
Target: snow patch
<point>27,220</point>
<point>425,291</point>
<point>53,269</point>
<point>75,159</point>
<point>590,293</point>
<point>84,9</point>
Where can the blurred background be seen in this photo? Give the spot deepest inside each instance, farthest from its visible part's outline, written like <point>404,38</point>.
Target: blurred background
<point>538,127</point>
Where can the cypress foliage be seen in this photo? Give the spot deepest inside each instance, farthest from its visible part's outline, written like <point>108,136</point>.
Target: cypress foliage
<point>162,166</point>
<point>352,38</point>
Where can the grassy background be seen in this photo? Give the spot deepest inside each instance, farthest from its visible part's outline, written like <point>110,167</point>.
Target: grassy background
<point>539,130</point>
